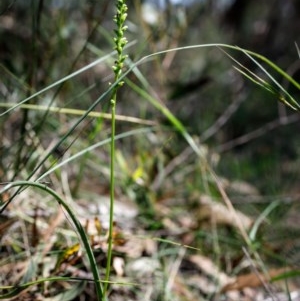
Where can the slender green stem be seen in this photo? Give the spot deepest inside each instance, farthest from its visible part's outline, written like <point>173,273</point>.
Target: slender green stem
<point>112,190</point>
<point>120,42</point>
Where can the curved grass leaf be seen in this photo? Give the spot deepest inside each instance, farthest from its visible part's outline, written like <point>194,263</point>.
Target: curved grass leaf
<point>80,230</point>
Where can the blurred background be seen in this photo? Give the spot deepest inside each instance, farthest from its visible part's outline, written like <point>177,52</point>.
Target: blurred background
<point>42,41</point>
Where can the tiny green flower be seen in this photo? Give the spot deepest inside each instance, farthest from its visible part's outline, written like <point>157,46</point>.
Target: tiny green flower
<point>119,39</point>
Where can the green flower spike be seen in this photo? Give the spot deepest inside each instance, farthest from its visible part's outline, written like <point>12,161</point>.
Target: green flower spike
<point>120,42</point>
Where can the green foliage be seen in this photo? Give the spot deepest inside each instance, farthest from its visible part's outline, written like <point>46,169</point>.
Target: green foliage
<point>55,132</point>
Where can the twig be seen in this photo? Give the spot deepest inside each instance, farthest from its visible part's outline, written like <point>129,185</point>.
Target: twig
<point>258,132</point>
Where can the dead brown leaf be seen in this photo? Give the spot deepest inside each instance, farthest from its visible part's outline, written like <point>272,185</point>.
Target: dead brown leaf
<point>219,214</point>
<point>209,268</point>
<point>5,223</point>
<point>253,279</point>
<point>118,265</point>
